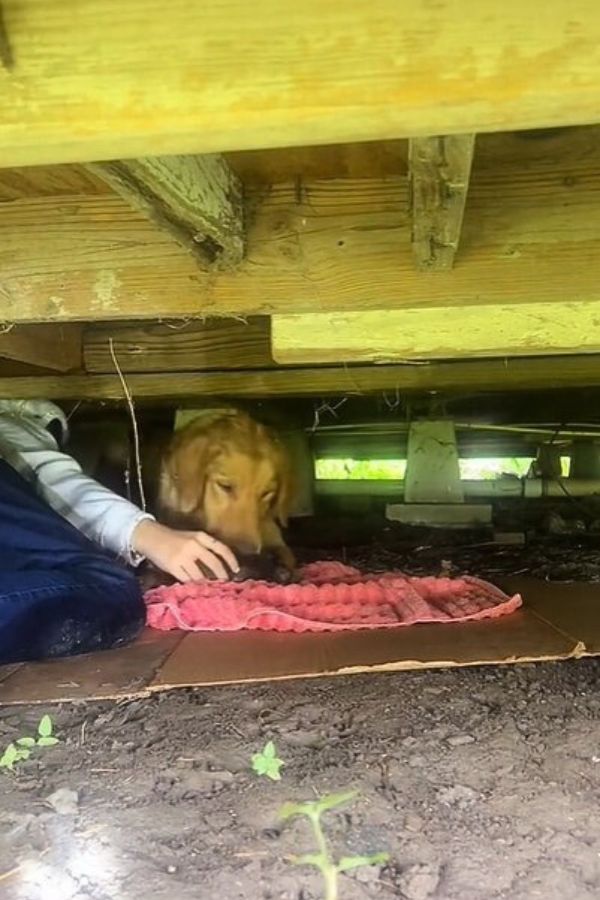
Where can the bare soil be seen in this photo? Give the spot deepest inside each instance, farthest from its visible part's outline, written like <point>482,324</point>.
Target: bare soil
<point>482,784</point>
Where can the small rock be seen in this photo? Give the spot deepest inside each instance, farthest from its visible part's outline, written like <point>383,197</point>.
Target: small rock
<point>204,780</point>
<point>367,874</point>
<point>456,795</point>
<point>523,829</point>
<point>171,870</point>
<point>64,801</point>
<point>234,762</point>
<point>459,740</point>
<point>419,881</point>
<point>554,523</point>
<point>310,739</point>
<point>413,822</point>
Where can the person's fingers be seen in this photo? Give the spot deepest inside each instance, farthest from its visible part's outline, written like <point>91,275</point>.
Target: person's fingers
<point>179,573</point>
<point>212,562</point>
<point>192,571</point>
<point>218,548</point>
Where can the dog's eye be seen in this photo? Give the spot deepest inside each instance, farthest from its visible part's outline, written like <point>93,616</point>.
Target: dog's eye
<point>225,487</point>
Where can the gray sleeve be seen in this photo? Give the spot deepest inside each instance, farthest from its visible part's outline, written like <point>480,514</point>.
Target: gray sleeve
<point>104,517</point>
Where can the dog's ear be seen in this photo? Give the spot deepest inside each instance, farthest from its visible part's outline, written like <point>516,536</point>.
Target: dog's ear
<point>183,473</point>
<point>286,487</point>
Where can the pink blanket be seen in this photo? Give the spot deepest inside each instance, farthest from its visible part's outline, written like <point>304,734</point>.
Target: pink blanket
<point>330,597</point>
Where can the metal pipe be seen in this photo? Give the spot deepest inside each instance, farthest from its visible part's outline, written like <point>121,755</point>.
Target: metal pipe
<point>359,428</point>
<point>497,488</point>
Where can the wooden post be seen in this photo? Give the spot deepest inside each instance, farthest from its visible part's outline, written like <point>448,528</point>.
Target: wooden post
<point>439,172</point>
<point>196,199</point>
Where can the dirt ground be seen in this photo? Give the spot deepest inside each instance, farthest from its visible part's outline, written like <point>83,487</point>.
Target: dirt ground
<point>481,784</point>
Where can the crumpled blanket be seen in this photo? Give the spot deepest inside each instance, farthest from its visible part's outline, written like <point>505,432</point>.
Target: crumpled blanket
<point>329,597</point>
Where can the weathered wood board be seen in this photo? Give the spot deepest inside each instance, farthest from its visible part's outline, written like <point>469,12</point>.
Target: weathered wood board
<point>56,347</point>
<point>178,346</point>
<point>195,199</point>
<point>522,329</point>
<point>439,173</point>
<point>94,79</point>
<point>325,246</point>
<point>473,376</point>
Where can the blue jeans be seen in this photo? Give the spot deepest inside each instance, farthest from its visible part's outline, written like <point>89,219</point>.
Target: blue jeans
<point>59,594</point>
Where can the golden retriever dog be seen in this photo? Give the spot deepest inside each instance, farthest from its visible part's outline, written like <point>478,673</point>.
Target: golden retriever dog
<point>230,476</point>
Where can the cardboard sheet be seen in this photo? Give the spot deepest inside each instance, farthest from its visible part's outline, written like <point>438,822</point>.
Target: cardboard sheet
<point>558,621</point>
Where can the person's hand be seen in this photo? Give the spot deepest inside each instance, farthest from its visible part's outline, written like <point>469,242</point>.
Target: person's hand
<point>179,552</point>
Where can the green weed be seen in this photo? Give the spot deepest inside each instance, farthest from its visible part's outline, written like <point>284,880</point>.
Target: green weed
<point>267,762</point>
<point>20,750</point>
<point>330,870</point>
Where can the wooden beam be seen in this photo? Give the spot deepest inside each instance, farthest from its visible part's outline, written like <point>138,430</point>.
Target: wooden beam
<point>439,173</point>
<point>524,329</point>
<point>97,79</point>
<point>6,54</point>
<point>179,346</point>
<point>475,375</point>
<point>56,347</point>
<point>195,199</point>
<point>332,246</point>
<point>550,148</point>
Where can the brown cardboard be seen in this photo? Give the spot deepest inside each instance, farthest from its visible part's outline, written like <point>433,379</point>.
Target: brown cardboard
<point>557,622</point>
<point>572,608</point>
<point>113,673</point>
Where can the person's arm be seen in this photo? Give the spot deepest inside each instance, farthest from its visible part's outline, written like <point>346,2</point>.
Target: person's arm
<point>106,518</point>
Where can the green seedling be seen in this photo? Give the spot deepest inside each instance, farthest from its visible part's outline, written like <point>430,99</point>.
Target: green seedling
<point>45,737</point>
<point>20,750</point>
<point>267,762</point>
<point>330,870</point>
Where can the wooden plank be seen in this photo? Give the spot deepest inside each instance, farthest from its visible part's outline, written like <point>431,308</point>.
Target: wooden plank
<point>56,347</point>
<point>332,246</point>
<point>516,151</point>
<point>195,199</point>
<point>439,173</point>
<point>6,54</point>
<point>49,181</point>
<point>179,346</point>
<point>524,329</point>
<point>93,79</point>
<point>476,375</point>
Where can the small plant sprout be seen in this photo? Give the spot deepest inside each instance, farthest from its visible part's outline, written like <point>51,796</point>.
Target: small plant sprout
<point>267,762</point>
<point>313,810</point>
<point>19,750</point>
<point>45,737</point>
<point>14,754</point>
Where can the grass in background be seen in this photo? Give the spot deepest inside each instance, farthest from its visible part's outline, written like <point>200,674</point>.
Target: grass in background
<point>394,469</point>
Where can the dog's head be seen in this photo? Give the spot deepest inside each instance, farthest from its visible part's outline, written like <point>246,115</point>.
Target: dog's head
<point>230,477</point>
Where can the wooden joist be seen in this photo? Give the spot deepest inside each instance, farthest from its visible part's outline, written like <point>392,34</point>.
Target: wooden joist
<point>95,79</point>
<point>178,346</point>
<point>49,347</point>
<point>473,376</point>
<point>196,199</point>
<point>439,173</point>
<point>335,245</point>
<point>6,55</point>
<point>523,329</point>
